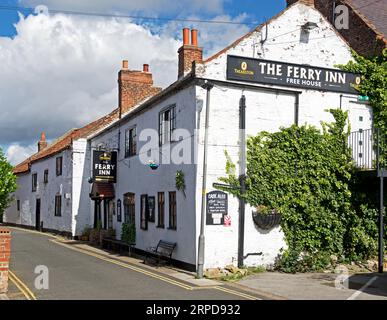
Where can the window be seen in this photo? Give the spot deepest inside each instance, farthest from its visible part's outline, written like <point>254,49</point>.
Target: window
<point>172,210</point>
<point>58,205</point>
<point>34,181</point>
<point>130,142</point>
<point>46,176</point>
<point>144,212</point>
<point>18,205</point>
<point>151,209</point>
<point>129,208</point>
<point>160,211</point>
<point>59,163</point>
<point>167,123</point>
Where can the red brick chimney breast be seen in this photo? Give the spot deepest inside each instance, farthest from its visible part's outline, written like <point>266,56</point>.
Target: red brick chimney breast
<point>188,53</point>
<point>134,86</point>
<point>42,144</point>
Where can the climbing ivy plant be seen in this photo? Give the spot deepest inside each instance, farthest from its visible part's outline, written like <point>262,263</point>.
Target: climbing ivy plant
<point>305,173</point>
<point>180,181</point>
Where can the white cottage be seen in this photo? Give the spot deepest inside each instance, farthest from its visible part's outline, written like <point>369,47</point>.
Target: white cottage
<point>283,72</point>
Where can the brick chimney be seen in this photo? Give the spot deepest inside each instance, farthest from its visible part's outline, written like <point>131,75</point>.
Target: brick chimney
<point>189,52</point>
<point>307,2</point>
<point>42,144</point>
<point>134,86</point>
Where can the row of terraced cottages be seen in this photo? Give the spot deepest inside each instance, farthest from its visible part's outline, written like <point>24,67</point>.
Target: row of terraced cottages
<point>123,167</point>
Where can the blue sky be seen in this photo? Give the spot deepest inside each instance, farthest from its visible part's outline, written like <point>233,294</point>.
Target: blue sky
<point>257,10</point>
<point>67,64</point>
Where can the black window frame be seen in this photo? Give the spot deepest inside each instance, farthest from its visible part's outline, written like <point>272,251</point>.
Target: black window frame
<point>161,210</point>
<point>131,142</point>
<point>34,182</point>
<point>171,120</point>
<point>18,205</point>
<point>144,212</point>
<point>151,208</point>
<point>59,166</point>
<point>58,205</point>
<point>129,207</point>
<point>45,176</point>
<point>172,201</point>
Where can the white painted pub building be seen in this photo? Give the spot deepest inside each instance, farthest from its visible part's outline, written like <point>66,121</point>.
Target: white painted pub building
<point>285,69</point>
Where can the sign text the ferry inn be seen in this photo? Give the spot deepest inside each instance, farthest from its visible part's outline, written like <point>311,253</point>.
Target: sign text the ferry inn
<point>291,75</point>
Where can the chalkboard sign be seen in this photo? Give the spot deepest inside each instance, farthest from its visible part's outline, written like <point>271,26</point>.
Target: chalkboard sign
<point>217,207</point>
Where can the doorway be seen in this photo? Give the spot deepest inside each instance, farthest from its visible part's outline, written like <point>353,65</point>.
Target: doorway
<point>37,214</point>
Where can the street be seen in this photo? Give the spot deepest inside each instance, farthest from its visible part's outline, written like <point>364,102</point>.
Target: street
<point>74,275</point>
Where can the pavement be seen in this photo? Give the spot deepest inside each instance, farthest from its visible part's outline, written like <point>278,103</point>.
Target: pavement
<point>78,271</point>
<point>319,286</point>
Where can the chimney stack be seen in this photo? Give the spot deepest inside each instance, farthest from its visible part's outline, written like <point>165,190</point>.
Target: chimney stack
<point>134,86</point>
<point>42,144</point>
<point>189,52</point>
<point>306,2</point>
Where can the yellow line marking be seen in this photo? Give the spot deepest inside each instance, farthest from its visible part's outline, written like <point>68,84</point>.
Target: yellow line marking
<point>122,264</point>
<point>22,286</point>
<point>19,287</point>
<point>243,295</point>
<point>154,275</point>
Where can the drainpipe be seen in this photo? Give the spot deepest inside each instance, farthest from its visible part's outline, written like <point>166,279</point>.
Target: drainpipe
<point>242,178</point>
<point>208,86</point>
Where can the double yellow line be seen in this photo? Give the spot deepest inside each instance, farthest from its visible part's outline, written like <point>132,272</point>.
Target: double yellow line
<point>21,286</point>
<point>154,275</point>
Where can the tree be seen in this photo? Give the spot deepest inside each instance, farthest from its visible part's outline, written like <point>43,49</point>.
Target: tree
<point>7,183</point>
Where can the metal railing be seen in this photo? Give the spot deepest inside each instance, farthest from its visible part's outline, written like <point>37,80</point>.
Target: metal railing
<point>364,148</point>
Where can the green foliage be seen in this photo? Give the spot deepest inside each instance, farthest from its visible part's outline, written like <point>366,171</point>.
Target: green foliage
<point>7,183</point>
<point>374,85</point>
<point>305,174</point>
<point>128,233</point>
<point>180,181</point>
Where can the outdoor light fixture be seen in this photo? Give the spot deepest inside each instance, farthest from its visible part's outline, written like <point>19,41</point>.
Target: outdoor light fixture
<point>309,26</point>
<point>153,165</point>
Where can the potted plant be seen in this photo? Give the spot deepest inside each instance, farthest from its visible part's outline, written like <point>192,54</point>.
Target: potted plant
<point>85,234</point>
<point>266,218</point>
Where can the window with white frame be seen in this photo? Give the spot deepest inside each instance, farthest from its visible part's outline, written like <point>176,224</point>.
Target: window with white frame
<point>167,124</point>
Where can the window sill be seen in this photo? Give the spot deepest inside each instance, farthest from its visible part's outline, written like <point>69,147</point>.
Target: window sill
<point>161,227</point>
<point>172,228</point>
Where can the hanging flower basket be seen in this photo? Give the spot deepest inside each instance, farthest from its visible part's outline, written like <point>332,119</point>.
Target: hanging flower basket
<point>265,218</point>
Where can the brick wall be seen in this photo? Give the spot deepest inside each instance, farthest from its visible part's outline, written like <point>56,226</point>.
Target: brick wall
<point>5,253</point>
<point>133,87</point>
<point>189,52</point>
<point>363,39</point>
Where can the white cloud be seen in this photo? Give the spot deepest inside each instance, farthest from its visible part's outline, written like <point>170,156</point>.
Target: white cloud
<point>16,153</point>
<point>153,7</point>
<point>60,72</point>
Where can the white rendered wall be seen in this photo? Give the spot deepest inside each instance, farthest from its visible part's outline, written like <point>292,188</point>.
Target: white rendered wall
<point>265,111</point>
<point>136,177</point>
<point>46,193</point>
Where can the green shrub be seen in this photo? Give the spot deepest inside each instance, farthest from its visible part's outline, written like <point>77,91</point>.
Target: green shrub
<point>306,174</point>
<point>128,233</point>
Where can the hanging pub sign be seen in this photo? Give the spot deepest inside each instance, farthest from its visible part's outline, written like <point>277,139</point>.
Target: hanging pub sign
<point>290,75</point>
<point>104,166</point>
<point>217,207</point>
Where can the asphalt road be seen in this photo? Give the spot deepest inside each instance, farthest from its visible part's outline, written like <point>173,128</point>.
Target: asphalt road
<point>78,276</point>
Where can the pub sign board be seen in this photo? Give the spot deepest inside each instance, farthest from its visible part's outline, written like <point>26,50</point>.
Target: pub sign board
<point>290,75</point>
<point>217,207</point>
<point>105,166</point>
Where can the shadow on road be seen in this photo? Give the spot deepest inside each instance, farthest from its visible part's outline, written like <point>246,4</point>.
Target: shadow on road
<point>370,283</point>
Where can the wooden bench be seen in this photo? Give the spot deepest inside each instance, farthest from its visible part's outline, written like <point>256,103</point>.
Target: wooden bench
<point>117,245</point>
<point>161,253</point>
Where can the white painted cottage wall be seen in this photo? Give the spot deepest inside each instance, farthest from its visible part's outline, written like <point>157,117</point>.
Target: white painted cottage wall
<point>134,176</point>
<point>265,111</point>
<point>46,193</point>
